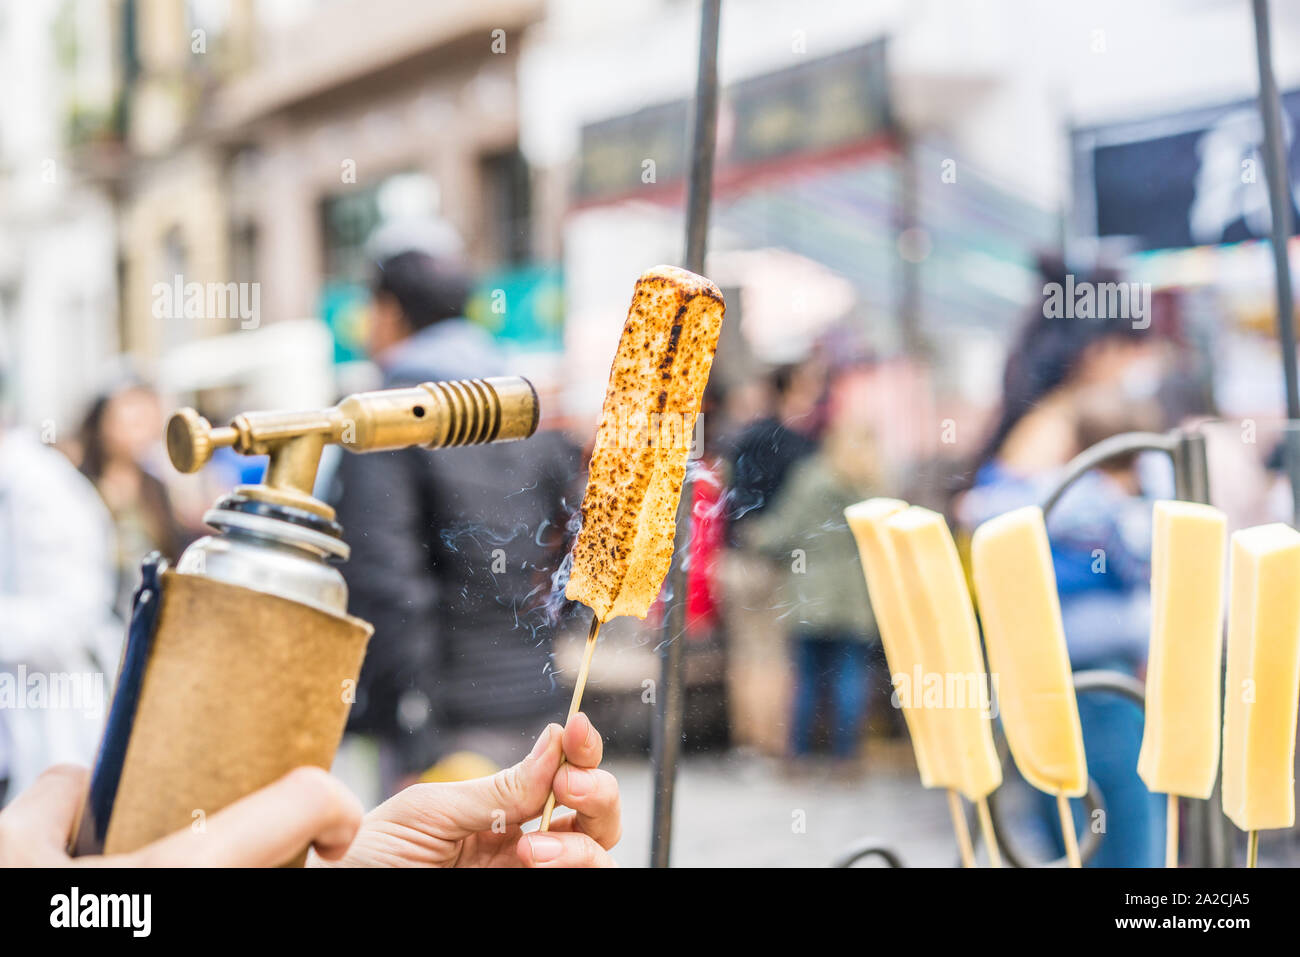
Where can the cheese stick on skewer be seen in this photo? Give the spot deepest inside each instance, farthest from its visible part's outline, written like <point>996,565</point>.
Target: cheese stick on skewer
<point>935,591</point>
<point>1263,679</point>
<point>1180,741</point>
<point>897,635</point>
<point>902,647</point>
<point>629,511</point>
<point>655,388</point>
<point>1015,583</point>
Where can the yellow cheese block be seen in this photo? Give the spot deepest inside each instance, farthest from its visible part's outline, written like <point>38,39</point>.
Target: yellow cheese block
<point>1180,744</point>
<point>902,648</point>
<point>1015,585</point>
<point>1263,681</point>
<point>955,684</point>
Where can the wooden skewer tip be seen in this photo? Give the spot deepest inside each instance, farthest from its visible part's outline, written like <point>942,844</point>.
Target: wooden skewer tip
<point>990,836</point>
<point>1067,830</point>
<point>960,829</point>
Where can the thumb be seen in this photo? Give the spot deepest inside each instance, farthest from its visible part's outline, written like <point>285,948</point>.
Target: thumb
<point>37,825</point>
<point>511,796</point>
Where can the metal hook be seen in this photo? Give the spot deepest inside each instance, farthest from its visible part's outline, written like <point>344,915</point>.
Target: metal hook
<point>868,847</point>
<point>1085,682</point>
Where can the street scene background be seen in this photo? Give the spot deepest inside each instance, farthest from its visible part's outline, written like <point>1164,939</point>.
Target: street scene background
<point>269,204</point>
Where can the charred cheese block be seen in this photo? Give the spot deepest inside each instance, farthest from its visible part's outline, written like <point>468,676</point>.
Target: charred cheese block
<point>656,385</point>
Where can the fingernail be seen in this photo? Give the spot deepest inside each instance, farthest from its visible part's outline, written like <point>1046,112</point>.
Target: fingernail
<point>544,848</point>
<point>579,781</point>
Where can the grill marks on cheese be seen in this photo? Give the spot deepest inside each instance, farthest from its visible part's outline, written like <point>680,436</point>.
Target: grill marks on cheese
<point>656,385</point>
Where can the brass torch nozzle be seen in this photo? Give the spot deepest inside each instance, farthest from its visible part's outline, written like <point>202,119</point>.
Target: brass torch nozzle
<point>433,415</point>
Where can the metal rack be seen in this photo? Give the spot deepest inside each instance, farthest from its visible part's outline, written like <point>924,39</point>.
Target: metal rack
<point>1208,843</point>
<point>1085,682</point>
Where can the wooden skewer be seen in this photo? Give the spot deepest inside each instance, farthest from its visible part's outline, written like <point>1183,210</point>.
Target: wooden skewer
<point>1171,832</point>
<point>574,704</point>
<point>1067,831</point>
<point>986,828</point>
<point>1252,848</point>
<point>959,828</point>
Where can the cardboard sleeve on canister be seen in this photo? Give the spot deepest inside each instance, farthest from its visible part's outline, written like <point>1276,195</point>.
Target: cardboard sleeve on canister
<point>241,687</point>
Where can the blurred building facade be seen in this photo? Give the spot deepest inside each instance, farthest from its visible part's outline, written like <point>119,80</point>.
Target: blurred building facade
<point>256,145</point>
<point>982,99</point>
<point>58,282</point>
<point>258,142</point>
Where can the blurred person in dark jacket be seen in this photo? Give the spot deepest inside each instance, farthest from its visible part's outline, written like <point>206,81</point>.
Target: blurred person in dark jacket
<point>766,450</point>
<point>451,552</point>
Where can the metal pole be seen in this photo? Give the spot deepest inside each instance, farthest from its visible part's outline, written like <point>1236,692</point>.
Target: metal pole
<point>699,186</point>
<point>1279,200</point>
<point>907,217</point>
<point>671,698</point>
